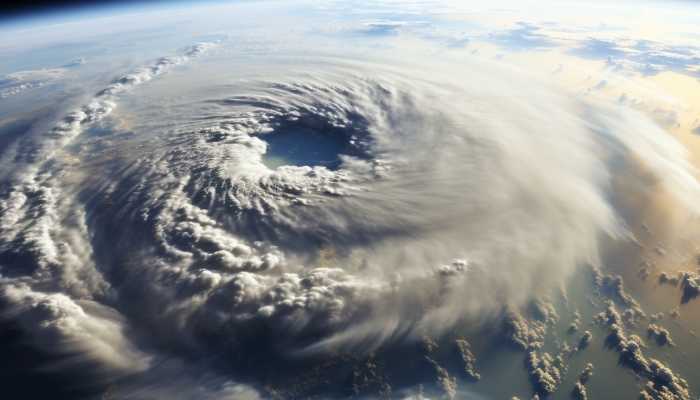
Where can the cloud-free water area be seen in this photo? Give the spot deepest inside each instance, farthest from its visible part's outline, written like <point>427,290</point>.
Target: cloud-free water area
<point>303,147</point>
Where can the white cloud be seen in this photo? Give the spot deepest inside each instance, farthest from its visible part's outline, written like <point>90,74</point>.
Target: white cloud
<point>18,82</point>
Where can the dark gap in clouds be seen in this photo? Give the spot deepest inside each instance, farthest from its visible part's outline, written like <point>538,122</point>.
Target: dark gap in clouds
<point>15,261</point>
<point>12,131</point>
<point>28,373</point>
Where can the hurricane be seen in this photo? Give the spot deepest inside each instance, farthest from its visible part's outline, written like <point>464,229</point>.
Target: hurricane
<point>223,232</point>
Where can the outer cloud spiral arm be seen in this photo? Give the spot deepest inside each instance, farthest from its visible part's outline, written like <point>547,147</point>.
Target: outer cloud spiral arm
<point>42,235</point>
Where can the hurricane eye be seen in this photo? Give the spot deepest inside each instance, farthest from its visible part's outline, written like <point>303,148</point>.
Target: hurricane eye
<point>299,146</point>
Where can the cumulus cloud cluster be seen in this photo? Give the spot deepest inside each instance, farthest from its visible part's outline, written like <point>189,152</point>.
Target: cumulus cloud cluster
<point>661,381</point>
<point>687,281</point>
<point>579,392</point>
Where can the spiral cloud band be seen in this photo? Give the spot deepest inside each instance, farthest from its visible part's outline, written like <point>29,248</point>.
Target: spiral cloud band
<point>406,206</point>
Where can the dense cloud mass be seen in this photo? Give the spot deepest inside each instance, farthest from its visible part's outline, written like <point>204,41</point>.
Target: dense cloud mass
<point>425,209</point>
